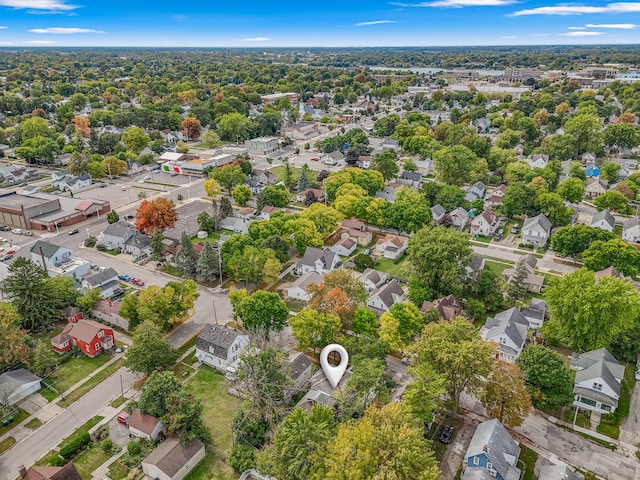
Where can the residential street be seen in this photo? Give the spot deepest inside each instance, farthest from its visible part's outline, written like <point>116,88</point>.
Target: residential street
<point>51,433</point>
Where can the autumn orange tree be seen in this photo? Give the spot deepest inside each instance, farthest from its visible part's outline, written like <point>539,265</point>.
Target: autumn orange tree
<point>14,349</point>
<point>159,213</point>
<point>191,127</point>
<point>340,293</point>
<point>82,125</point>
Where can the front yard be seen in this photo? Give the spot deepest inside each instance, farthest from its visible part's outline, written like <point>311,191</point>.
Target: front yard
<point>399,269</point>
<point>210,387</point>
<point>610,424</point>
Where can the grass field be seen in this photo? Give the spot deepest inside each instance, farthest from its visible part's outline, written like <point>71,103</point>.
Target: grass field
<point>497,267</point>
<point>89,460</point>
<point>33,423</point>
<point>527,462</point>
<point>6,444</point>
<point>610,424</point>
<point>295,173</point>
<point>399,269</point>
<point>18,417</point>
<point>210,387</point>
<point>73,370</point>
<point>117,471</point>
<point>91,383</point>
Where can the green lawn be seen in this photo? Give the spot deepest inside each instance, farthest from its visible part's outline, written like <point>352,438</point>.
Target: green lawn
<point>92,422</point>
<point>210,387</point>
<point>74,369</point>
<point>91,383</point>
<point>399,269</point>
<point>187,346</point>
<point>117,471</point>
<point>33,423</point>
<point>18,417</point>
<point>89,460</point>
<point>49,395</point>
<point>295,173</point>
<point>497,267</point>
<point>6,444</point>
<point>118,401</point>
<point>527,462</point>
<point>482,239</point>
<point>212,237</point>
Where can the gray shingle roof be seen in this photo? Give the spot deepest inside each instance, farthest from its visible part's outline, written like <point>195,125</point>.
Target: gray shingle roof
<point>304,280</point>
<point>438,210</point>
<point>139,241</point>
<point>388,291</point>
<point>598,363</point>
<point>632,222</point>
<point>492,439</point>
<point>298,363</point>
<point>511,323</point>
<point>48,249</point>
<point>171,455</point>
<point>119,229</point>
<point>604,215</point>
<point>99,278</point>
<point>312,254</point>
<point>218,337</point>
<point>11,381</point>
<point>558,472</point>
<point>540,220</point>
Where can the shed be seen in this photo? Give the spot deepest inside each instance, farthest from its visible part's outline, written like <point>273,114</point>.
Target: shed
<point>172,460</point>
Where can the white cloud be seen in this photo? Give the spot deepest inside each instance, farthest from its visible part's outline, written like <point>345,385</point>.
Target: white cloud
<point>64,30</point>
<point>508,36</point>
<point>6,43</point>
<point>375,22</point>
<point>577,28</point>
<point>581,34</point>
<point>51,5</point>
<point>256,39</point>
<point>623,26</point>
<point>39,42</point>
<point>540,34</point>
<point>570,9</point>
<point>457,3</point>
<point>3,26</point>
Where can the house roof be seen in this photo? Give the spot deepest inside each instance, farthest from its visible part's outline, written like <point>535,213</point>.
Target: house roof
<point>608,272</point>
<point>217,337</point>
<point>488,216</point>
<point>171,455</point>
<point>374,276</point>
<point>477,263</point>
<point>99,278</point>
<point>448,307</point>
<point>67,472</point>
<point>14,379</point>
<point>598,364</point>
<point>304,280</point>
<point>413,176</point>
<point>298,363</point>
<point>438,210</point>
<point>476,474</point>
<point>510,323</point>
<point>120,229</point>
<point>245,211</point>
<point>541,220</point>
<point>144,423</point>
<point>84,330</point>
<point>345,242</point>
<point>387,292</point>
<point>538,304</point>
<point>493,440</point>
<point>459,213</point>
<point>604,215</point>
<point>396,240</point>
<point>71,311</point>
<point>139,241</point>
<point>312,254</point>
<point>270,209</point>
<point>353,223</point>
<point>48,249</point>
<point>632,222</point>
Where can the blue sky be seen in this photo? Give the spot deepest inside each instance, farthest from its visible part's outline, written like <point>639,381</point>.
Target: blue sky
<point>324,23</point>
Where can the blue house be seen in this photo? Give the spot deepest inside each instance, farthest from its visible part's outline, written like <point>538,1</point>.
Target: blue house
<point>593,170</point>
<point>492,453</point>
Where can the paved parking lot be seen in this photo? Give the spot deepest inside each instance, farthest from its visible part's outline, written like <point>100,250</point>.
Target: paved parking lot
<point>188,218</point>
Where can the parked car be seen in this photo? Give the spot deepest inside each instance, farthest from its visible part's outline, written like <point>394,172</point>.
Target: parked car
<point>11,252</point>
<point>6,257</point>
<point>497,237</point>
<point>129,217</point>
<point>74,231</point>
<point>125,277</point>
<point>514,229</point>
<point>147,177</point>
<point>102,185</point>
<point>5,228</point>
<point>102,269</point>
<point>315,159</point>
<point>123,188</point>
<point>94,267</point>
<point>123,418</point>
<point>137,281</point>
<point>446,434</point>
<point>2,239</point>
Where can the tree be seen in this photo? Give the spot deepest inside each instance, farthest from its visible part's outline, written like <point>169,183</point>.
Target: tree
<point>14,349</point>
<point>157,247</point>
<point>212,188</point>
<point>586,129</point>
<point>609,171</point>
<point>621,135</point>
<point>313,329</point>
<point>241,194</point>
<point>303,181</point>
<point>458,165</point>
<point>439,257</point>
<point>456,351</point>
<point>31,294</point>
<point>274,196</point>
<point>233,126</point>
<point>366,383</point>
<point>303,233</point>
<point>339,293</point>
<point>517,287</point>
<point>205,222</point>
<point>365,322</point>
<point>571,190</point>
<point>279,246</point>
<point>157,391</point>
<point>44,360</point>
<point>362,262</point>
<point>548,379</point>
<point>425,391</point>
<point>78,163</point>
<point>263,312</point>
<point>298,443</point>
<point>389,332</point>
<point>615,252</point>
<point>226,209</point>
<point>159,213</point>
<point>183,417</point>
<point>589,313</point>
<point>229,176</point>
<point>572,240</point>
<point>87,303</point>
<point>186,260</point>
<point>386,163</point>
<point>266,381</point>
<point>613,200</point>
<point>191,127</point>
<point>325,218</point>
<point>236,295</point>
<point>387,442</point>
<point>113,217</point>
<point>410,321</point>
<point>135,139</point>
<point>150,350</point>
<point>207,269</point>
<point>505,396</point>
<point>210,139</point>
<point>519,199</point>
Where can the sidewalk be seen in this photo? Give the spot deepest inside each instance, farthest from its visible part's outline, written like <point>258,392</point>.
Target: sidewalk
<point>50,410</point>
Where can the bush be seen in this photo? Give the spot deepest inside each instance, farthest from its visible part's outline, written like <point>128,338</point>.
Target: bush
<point>75,445</point>
<point>242,457</point>
<point>90,242</point>
<point>101,248</point>
<point>106,445</point>
<point>475,308</point>
<point>363,262</point>
<point>58,461</point>
<point>134,448</point>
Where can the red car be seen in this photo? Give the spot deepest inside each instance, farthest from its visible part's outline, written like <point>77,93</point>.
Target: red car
<point>315,159</point>
<point>137,281</point>
<point>11,252</point>
<point>123,418</point>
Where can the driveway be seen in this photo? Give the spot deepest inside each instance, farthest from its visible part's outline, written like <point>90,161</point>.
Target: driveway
<point>630,429</point>
<point>119,433</point>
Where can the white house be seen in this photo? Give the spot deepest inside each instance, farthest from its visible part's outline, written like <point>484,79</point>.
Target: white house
<point>595,187</point>
<point>631,230</point>
<point>171,460</point>
<point>106,280</point>
<point>75,184</point>
<point>536,230</point>
<point>47,255</point>
<point>603,220</point>
<point>17,385</point>
<point>598,380</point>
<point>302,196</point>
<point>485,224</point>
<point>333,158</point>
<point>538,160</point>
<point>437,212</point>
<point>382,299</point>
<point>144,426</point>
<point>344,247</point>
<point>474,192</point>
<point>262,145</point>
<point>460,218</point>
<point>318,260</point>
<point>298,289</point>
<point>509,330</point>
<point>372,279</point>
<point>391,246</point>
<point>220,347</point>
<point>116,234</point>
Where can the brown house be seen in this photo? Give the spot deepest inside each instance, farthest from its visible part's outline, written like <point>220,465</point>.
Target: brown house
<point>68,472</point>
<point>448,307</point>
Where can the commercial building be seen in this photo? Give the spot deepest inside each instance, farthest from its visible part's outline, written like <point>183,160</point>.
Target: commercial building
<point>294,98</point>
<point>262,145</point>
<point>196,165</point>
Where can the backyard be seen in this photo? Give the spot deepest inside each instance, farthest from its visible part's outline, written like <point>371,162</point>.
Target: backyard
<point>295,173</point>
<point>210,387</point>
<point>396,269</point>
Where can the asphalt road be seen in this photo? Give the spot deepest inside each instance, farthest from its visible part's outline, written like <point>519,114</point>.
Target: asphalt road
<point>51,433</point>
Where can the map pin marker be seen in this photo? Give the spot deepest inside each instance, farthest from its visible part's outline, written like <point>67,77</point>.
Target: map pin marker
<point>334,374</point>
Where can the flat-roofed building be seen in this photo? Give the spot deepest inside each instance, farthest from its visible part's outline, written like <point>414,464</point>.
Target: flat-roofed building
<point>262,145</point>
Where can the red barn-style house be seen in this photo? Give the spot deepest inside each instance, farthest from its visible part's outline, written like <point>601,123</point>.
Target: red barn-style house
<point>89,336</point>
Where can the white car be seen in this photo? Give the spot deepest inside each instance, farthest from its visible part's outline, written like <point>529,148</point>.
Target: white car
<point>139,181</point>
<point>123,188</point>
<point>148,177</point>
